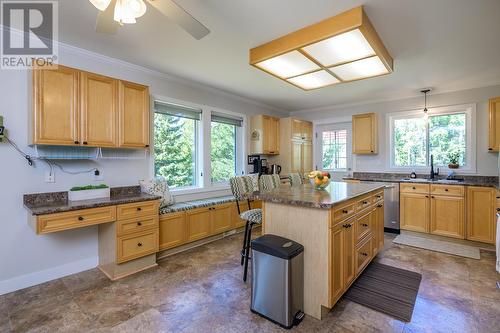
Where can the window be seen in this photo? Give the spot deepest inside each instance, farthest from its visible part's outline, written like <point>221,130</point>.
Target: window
<point>224,146</point>
<point>446,133</point>
<point>334,150</point>
<point>175,144</point>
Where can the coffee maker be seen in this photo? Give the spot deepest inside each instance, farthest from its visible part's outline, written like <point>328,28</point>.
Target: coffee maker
<point>260,166</point>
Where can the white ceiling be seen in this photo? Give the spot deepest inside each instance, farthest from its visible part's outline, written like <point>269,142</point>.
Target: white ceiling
<point>445,44</point>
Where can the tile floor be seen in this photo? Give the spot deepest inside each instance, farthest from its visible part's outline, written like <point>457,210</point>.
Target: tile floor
<point>201,291</point>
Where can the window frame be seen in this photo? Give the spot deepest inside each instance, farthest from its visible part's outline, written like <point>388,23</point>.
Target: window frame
<point>470,133</point>
<point>203,146</point>
<point>347,157</point>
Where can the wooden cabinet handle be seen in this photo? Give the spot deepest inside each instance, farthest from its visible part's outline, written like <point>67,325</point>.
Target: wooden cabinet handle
<point>139,224</point>
<point>139,244</point>
<point>139,209</point>
<point>80,218</point>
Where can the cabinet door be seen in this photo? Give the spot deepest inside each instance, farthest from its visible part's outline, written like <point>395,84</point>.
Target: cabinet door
<point>55,106</point>
<point>349,248</point>
<point>307,162</point>
<point>173,230</point>
<point>480,225</point>
<point>296,158</point>
<point>271,135</point>
<point>447,216</point>
<point>221,218</point>
<point>364,133</point>
<point>379,227</point>
<point>307,130</point>
<point>414,212</point>
<point>198,223</point>
<point>337,258</point>
<point>99,110</point>
<point>133,115</point>
<point>296,129</point>
<point>494,125</point>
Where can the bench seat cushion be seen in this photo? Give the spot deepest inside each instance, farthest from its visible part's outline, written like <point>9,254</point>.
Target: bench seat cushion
<point>182,206</point>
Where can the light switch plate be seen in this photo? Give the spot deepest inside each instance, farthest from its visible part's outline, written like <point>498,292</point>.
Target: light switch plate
<point>50,177</point>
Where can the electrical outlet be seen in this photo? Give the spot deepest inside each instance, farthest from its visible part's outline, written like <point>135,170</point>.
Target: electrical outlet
<point>97,176</point>
<point>50,177</point>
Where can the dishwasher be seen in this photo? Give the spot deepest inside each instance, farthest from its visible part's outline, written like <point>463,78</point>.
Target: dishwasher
<point>391,210</point>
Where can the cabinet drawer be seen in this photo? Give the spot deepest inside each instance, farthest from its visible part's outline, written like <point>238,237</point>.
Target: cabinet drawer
<point>344,212</point>
<point>448,190</point>
<point>138,209</point>
<point>363,255</point>
<point>139,224</point>
<point>363,225</point>
<point>364,203</point>
<point>136,245</point>
<point>75,219</point>
<point>378,196</point>
<point>414,188</point>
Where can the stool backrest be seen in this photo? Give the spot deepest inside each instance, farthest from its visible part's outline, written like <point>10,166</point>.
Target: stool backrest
<point>295,178</point>
<point>269,182</point>
<point>240,186</point>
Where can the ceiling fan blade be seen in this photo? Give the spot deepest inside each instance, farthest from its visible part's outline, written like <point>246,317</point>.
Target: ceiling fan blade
<point>105,22</point>
<point>178,15</point>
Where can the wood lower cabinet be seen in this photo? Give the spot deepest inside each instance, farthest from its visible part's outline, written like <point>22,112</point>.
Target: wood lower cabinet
<point>198,223</point>
<point>56,110</point>
<point>133,115</point>
<point>73,107</point>
<point>447,216</point>
<point>173,231</point>
<point>364,133</point>
<point>221,218</point>
<point>414,212</point>
<point>378,232</point>
<point>136,245</point>
<point>337,257</point>
<point>481,221</point>
<point>99,110</point>
<point>349,246</point>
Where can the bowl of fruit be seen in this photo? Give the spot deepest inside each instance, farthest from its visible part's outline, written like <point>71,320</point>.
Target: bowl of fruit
<point>319,179</point>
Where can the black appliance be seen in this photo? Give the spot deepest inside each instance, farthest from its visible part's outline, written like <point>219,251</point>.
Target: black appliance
<point>259,164</point>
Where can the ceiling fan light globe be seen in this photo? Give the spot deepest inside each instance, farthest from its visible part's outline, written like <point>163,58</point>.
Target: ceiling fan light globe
<point>126,11</point>
<point>100,4</point>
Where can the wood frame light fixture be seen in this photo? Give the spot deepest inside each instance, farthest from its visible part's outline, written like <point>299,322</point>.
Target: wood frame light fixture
<point>342,48</point>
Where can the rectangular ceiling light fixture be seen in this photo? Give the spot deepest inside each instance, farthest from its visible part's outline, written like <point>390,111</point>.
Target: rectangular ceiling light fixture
<point>339,49</point>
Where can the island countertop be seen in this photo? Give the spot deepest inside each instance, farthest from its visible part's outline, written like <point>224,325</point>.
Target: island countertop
<point>306,196</point>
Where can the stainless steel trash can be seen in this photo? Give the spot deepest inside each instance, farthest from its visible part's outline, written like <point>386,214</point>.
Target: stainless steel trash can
<point>278,280</point>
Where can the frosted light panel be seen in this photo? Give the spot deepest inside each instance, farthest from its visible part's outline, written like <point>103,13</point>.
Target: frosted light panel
<point>314,80</point>
<point>360,69</point>
<point>348,46</point>
<point>288,65</point>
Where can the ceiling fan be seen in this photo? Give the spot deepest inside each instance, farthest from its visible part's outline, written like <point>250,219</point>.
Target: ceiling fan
<point>115,13</point>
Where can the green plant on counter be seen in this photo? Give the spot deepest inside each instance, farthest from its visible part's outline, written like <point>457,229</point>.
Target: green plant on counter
<point>454,157</point>
<point>88,187</point>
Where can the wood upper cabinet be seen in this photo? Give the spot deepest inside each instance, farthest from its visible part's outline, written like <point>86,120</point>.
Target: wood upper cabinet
<point>74,107</point>
<point>55,106</point>
<point>99,110</point>
<point>364,133</point>
<point>414,212</point>
<point>494,125</point>
<point>271,135</point>
<point>264,135</point>
<point>481,224</point>
<point>447,216</point>
<point>301,129</point>
<point>133,115</point>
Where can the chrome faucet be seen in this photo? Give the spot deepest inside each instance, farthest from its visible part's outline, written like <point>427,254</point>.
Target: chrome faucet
<point>433,174</point>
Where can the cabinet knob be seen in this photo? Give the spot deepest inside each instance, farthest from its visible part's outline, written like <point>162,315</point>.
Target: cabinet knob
<point>498,209</point>
<point>446,190</point>
<point>139,209</point>
<point>490,148</point>
<point>432,196</point>
<point>379,205</point>
<point>364,225</point>
<point>85,142</point>
<point>364,254</point>
<point>365,202</point>
<point>139,224</point>
<point>426,196</point>
<point>147,146</point>
<point>139,244</point>
<point>80,218</point>
<point>346,226</point>
<point>414,188</point>
<point>77,142</point>
<point>345,211</point>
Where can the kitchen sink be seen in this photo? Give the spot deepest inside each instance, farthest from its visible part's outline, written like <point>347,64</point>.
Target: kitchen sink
<point>425,180</point>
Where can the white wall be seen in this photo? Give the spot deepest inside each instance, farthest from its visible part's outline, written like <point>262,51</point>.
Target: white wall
<point>486,162</point>
<point>27,259</point>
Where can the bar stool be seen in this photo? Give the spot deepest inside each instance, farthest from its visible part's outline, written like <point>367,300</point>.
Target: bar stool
<point>295,178</point>
<point>241,186</point>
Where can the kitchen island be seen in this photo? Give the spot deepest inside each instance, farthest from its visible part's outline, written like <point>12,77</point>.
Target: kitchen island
<point>340,227</point>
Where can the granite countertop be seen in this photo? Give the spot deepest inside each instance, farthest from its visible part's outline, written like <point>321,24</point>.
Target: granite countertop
<point>306,196</point>
<point>57,202</point>
<point>484,181</point>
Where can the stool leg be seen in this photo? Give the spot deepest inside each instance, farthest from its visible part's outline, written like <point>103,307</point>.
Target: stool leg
<point>247,253</point>
<point>243,249</point>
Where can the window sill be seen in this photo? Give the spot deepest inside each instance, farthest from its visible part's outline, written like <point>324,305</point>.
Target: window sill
<point>442,170</point>
<point>196,190</point>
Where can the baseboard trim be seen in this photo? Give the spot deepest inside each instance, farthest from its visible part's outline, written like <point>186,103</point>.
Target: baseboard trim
<point>32,279</point>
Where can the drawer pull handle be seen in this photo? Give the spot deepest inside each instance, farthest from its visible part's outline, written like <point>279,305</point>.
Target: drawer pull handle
<point>498,209</point>
<point>379,205</point>
<point>426,196</point>
<point>364,254</point>
<point>80,218</point>
<point>139,244</point>
<point>379,196</point>
<point>365,202</point>
<point>446,190</point>
<point>432,196</point>
<point>345,211</point>
<point>414,188</point>
<point>364,225</point>
<point>77,142</point>
<point>139,224</point>
<point>139,209</point>
<point>346,226</point>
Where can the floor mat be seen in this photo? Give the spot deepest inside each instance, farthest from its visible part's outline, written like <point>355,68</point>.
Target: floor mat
<point>439,246</point>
